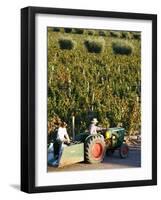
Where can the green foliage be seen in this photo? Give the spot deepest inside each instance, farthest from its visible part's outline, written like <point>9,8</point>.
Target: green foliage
<point>136,36</point>
<point>67,30</point>
<point>134,121</point>
<point>78,31</point>
<point>125,35</point>
<point>90,32</point>
<point>94,45</point>
<point>122,47</point>
<point>101,33</point>
<point>105,85</point>
<point>115,34</point>
<point>66,43</point>
<point>56,29</point>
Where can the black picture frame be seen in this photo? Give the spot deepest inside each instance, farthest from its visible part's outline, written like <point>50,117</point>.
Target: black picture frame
<point>28,98</point>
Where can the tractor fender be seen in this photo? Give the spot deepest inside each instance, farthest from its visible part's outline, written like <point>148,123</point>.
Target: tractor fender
<point>93,135</point>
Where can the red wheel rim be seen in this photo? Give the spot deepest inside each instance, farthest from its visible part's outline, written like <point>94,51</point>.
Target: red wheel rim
<point>97,150</point>
<point>125,150</point>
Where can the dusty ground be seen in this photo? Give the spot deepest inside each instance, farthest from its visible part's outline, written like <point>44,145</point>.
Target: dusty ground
<point>110,162</point>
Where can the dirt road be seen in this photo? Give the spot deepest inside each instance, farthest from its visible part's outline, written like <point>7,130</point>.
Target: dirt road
<point>110,162</point>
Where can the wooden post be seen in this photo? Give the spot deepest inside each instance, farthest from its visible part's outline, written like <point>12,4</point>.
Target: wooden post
<point>73,126</point>
<point>93,96</point>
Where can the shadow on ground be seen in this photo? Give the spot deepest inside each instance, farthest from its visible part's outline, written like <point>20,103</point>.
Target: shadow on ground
<point>15,186</point>
<point>110,162</point>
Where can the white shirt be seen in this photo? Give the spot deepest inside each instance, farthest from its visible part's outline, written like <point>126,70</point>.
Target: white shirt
<point>62,132</point>
<point>93,129</point>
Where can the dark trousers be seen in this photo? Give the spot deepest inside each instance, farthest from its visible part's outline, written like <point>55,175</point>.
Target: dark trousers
<point>57,147</point>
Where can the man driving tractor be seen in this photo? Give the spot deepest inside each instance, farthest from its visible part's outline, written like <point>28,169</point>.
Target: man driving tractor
<point>93,128</point>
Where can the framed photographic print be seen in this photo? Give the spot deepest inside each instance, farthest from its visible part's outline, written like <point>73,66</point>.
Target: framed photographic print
<point>88,99</point>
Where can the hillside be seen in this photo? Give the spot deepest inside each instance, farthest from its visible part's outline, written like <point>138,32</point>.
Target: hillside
<point>105,84</point>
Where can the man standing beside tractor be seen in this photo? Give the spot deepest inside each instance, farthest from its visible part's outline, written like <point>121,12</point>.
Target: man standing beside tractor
<point>62,139</point>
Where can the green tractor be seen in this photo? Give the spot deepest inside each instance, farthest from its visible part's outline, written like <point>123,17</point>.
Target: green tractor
<point>93,148</point>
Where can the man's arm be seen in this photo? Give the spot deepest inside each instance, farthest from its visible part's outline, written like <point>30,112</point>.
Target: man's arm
<point>67,137</point>
<point>100,128</point>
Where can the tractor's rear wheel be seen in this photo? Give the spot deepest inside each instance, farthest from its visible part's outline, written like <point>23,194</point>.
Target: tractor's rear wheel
<point>124,150</point>
<point>94,149</point>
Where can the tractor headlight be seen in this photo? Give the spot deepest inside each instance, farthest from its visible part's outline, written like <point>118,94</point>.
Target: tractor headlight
<point>113,137</point>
